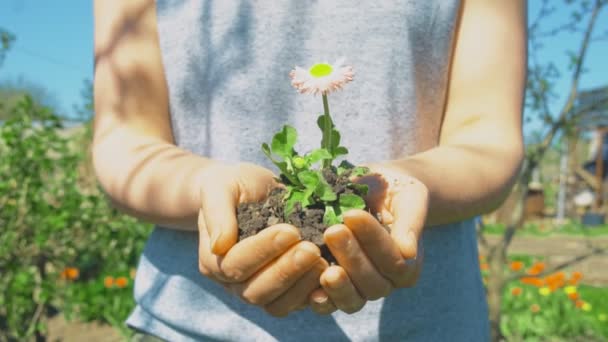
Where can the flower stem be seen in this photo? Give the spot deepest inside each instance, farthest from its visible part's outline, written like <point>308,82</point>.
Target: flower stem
<point>327,131</point>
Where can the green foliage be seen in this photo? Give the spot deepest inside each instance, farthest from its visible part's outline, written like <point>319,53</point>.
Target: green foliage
<point>12,91</point>
<point>534,316</point>
<point>306,184</point>
<point>333,213</point>
<point>332,141</point>
<point>6,40</point>
<point>52,222</point>
<point>557,316</point>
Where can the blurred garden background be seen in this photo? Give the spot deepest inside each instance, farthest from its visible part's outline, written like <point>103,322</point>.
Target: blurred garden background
<point>67,258</point>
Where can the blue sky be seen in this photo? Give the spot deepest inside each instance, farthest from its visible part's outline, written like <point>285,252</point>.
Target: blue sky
<point>54,47</point>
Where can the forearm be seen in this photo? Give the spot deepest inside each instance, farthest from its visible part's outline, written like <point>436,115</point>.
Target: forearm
<point>463,180</point>
<point>149,178</point>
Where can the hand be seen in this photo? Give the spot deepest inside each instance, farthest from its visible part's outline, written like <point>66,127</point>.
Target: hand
<point>272,269</point>
<point>373,262</point>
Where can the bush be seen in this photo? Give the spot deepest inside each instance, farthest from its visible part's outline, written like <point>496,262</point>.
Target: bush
<point>59,240</point>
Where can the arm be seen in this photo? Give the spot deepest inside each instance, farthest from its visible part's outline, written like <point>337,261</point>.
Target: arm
<point>470,172</point>
<point>141,170</point>
<point>147,176</point>
<point>481,145</point>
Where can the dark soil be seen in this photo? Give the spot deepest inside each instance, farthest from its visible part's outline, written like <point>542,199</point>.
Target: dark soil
<point>254,217</point>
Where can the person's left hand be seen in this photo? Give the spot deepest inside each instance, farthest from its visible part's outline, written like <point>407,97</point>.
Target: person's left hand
<point>372,261</point>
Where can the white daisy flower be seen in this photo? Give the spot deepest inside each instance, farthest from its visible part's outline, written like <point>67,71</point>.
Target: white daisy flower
<point>321,78</point>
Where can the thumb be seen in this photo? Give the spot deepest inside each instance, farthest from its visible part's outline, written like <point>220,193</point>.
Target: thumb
<point>218,206</point>
<point>409,208</point>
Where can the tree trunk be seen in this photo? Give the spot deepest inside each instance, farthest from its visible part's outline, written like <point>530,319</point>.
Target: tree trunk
<point>496,286</point>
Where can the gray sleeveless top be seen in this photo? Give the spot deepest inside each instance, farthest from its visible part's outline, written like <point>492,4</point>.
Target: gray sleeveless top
<point>227,64</point>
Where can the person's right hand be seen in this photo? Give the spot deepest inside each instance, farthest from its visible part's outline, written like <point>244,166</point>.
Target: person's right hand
<point>272,269</point>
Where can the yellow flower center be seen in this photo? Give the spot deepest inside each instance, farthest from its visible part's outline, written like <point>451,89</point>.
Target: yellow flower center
<point>320,70</point>
<point>570,289</point>
<point>544,291</point>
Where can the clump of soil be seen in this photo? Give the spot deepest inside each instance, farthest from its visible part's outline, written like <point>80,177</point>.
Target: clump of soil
<point>254,217</point>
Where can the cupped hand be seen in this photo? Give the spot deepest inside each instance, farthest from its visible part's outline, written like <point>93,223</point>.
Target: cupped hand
<point>372,261</point>
<point>272,269</point>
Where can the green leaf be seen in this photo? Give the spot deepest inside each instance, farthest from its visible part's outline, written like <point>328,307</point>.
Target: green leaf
<point>360,171</point>
<point>325,192</point>
<point>344,165</point>
<point>296,196</point>
<point>350,201</point>
<point>322,120</point>
<point>316,184</point>
<point>283,166</point>
<point>310,179</point>
<point>330,218</point>
<point>335,140</point>
<point>284,141</point>
<point>340,151</point>
<point>361,189</point>
<point>317,155</point>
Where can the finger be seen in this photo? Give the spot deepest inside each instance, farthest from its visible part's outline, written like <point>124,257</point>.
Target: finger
<point>208,263</point>
<point>219,202</point>
<point>320,303</point>
<point>377,189</point>
<point>341,290</point>
<point>409,206</point>
<point>278,276</point>
<point>298,294</point>
<point>344,246</point>
<point>378,245</point>
<point>251,254</point>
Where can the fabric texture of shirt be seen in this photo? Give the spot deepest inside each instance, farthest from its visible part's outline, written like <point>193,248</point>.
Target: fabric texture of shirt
<point>227,64</point>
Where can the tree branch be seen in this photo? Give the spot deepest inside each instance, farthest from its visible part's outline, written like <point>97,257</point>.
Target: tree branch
<point>480,233</point>
<point>567,108</point>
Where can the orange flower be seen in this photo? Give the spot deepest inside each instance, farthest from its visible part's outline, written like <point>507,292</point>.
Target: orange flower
<point>108,281</point>
<point>516,291</point>
<point>482,258</point>
<point>535,308</point>
<point>516,265</point>
<point>532,281</point>
<point>556,277</point>
<point>71,273</point>
<point>484,266</point>
<point>556,280</point>
<point>575,278</point>
<point>122,282</point>
<point>536,269</point>
<point>573,296</point>
<point>556,285</point>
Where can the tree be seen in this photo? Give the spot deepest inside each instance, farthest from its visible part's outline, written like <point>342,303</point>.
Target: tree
<point>540,91</point>
<point>6,40</point>
<point>13,91</point>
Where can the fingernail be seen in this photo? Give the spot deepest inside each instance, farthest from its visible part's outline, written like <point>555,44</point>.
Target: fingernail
<point>285,238</point>
<point>320,298</point>
<point>339,239</point>
<point>305,256</point>
<point>334,280</point>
